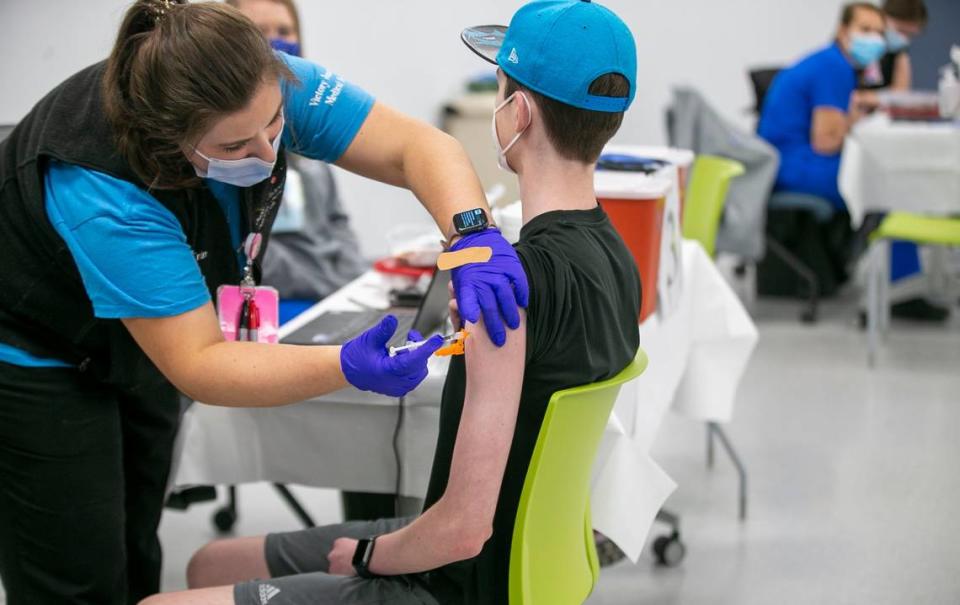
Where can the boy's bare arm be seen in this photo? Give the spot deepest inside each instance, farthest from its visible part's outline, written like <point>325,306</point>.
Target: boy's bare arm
<point>458,525</point>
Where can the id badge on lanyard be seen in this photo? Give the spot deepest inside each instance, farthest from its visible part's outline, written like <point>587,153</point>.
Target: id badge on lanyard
<point>248,312</point>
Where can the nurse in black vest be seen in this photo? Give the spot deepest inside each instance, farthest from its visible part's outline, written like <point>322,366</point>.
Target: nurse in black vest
<point>125,197</point>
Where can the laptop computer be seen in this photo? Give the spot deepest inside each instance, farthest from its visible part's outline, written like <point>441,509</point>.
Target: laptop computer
<point>337,327</point>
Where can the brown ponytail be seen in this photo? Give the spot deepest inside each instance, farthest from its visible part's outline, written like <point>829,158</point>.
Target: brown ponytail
<point>175,69</point>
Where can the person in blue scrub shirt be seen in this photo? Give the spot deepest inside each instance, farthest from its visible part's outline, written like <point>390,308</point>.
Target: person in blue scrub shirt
<point>811,105</point>
<point>808,110</point>
<point>126,194</point>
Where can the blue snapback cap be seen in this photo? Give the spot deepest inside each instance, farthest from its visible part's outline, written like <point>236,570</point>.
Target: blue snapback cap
<point>558,48</point>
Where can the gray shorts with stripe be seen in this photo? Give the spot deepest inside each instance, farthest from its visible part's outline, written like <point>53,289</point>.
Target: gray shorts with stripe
<point>298,564</point>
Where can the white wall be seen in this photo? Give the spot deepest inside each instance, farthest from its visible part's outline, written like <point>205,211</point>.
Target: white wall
<point>410,56</point>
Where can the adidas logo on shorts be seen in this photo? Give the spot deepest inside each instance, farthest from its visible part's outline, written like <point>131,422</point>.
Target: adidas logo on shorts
<point>267,592</point>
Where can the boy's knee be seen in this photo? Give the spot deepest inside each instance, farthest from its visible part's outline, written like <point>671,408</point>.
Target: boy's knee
<point>203,565</point>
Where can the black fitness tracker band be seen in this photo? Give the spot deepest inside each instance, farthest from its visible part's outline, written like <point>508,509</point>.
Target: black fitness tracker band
<point>362,556</point>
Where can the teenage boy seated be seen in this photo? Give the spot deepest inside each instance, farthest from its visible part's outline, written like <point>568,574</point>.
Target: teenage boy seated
<point>567,73</point>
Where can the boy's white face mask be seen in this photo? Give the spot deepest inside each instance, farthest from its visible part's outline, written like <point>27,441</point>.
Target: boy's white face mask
<point>242,173</point>
<point>502,151</point>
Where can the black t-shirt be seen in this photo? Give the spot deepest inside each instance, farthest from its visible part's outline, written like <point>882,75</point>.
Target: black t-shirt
<point>581,328</point>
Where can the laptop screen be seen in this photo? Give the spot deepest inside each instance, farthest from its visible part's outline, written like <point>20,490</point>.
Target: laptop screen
<point>336,327</point>
<point>433,308</point>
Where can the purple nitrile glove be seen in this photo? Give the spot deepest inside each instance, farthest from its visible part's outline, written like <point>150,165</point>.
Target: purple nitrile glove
<point>367,364</point>
<point>495,288</point>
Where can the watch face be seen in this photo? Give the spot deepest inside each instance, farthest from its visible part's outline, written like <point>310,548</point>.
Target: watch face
<point>471,220</point>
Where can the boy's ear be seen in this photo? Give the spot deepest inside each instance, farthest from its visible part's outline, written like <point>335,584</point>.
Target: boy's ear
<point>524,111</point>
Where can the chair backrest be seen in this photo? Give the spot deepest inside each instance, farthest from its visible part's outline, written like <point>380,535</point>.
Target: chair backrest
<point>706,194</point>
<point>761,80</point>
<point>5,130</point>
<point>553,559</point>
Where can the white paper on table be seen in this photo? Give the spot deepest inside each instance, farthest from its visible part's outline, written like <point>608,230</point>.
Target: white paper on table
<point>667,344</point>
<point>909,166</point>
<point>722,340</point>
<point>220,443</point>
<point>628,490</point>
<point>848,180</point>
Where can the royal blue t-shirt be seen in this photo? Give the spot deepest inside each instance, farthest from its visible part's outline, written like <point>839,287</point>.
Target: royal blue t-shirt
<point>113,228</point>
<point>824,79</point>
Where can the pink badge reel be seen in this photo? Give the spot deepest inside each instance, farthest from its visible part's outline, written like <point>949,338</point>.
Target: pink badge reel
<point>230,299</point>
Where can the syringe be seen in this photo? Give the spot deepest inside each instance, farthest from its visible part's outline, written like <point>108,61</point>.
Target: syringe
<point>452,345</point>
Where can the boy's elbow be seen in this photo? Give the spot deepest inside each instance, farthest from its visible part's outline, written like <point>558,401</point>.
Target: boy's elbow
<point>467,531</point>
<point>468,543</point>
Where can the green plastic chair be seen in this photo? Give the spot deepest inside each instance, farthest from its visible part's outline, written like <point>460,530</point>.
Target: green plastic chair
<point>553,559</point>
<point>706,197</point>
<point>709,181</point>
<point>901,226</point>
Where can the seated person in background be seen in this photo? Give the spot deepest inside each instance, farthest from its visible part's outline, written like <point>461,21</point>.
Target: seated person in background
<point>806,114</point>
<point>313,251</point>
<point>557,107</point>
<point>905,21</point>
<point>811,105</point>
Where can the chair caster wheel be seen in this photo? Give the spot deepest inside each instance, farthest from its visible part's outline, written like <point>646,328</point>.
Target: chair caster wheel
<point>809,316</point>
<point>669,550</point>
<point>862,320</point>
<point>224,520</point>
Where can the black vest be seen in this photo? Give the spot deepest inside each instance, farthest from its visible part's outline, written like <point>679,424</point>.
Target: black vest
<point>44,308</point>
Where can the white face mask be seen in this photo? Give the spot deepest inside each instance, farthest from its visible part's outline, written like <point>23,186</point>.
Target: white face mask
<point>502,151</point>
<point>242,173</point>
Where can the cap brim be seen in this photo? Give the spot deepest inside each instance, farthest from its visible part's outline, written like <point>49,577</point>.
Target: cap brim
<point>485,40</point>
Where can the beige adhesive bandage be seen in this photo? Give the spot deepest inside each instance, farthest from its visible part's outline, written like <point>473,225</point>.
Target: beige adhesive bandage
<point>452,260</point>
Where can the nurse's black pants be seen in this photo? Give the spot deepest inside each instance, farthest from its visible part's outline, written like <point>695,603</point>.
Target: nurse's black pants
<point>83,470</point>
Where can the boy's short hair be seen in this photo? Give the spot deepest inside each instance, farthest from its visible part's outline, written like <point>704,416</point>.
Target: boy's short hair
<point>578,134</point>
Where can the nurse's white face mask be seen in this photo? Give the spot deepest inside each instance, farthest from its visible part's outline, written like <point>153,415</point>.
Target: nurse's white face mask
<point>244,172</point>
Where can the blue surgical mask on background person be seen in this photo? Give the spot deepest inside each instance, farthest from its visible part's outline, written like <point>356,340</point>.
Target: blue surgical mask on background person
<point>895,40</point>
<point>241,173</point>
<point>502,151</point>
<point>867,48</point>
<point>291,48</point>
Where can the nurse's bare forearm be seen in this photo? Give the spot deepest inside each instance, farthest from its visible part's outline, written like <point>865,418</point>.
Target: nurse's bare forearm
<point>246,374</point>
<point>440,174</point>
<point>191,352</point>
<point>394,148</point>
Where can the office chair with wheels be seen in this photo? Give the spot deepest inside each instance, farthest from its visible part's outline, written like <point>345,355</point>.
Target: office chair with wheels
<point>795,265</point>
<point>553,560</point>
<point>761,78</point>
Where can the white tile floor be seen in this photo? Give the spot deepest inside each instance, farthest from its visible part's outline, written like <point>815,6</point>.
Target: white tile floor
<point>854,493</point>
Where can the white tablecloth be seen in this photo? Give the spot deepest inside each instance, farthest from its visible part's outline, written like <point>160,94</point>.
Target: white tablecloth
<point>344,440</point>
<point>910,166</point>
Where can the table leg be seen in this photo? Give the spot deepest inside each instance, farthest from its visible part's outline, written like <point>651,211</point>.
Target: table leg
<point>741,470</point>
<point>294,505</point>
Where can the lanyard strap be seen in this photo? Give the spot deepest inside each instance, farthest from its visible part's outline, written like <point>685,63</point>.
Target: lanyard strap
<point>251,248</point>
